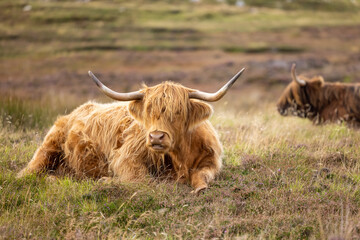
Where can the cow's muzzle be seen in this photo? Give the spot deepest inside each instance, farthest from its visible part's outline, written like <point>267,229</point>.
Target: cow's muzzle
<point>158,141</point>
<point>283,111</point>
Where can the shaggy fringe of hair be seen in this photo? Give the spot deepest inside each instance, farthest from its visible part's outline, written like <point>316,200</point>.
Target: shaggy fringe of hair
<point>176,106</point>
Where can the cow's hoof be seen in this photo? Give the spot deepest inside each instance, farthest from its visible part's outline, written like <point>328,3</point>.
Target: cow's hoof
<point>22,173</point>
<point>105,180</point>
<point>19,175</point>
<point>198,190</point>
<point>51,178</point>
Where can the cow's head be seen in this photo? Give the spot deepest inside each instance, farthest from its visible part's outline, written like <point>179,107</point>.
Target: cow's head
<point>167,111</point>
<point>300,95</point>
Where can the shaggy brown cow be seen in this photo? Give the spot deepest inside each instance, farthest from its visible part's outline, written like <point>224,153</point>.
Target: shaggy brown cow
<point>162,131</point>
<point>319,101</point>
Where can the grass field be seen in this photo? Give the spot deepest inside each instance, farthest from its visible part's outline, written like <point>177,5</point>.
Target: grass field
<point>283,178</point>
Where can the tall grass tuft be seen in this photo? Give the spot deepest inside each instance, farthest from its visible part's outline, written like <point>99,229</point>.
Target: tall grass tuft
<point>25,114</point>
<point>21,114</point>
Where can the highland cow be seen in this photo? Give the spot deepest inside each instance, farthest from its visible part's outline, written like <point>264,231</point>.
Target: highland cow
<point>163,131</point>
<point>320,101</point>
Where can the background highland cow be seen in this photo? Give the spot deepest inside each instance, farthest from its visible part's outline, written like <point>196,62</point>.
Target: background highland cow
<point>282,178</point>
<point>319,101</point>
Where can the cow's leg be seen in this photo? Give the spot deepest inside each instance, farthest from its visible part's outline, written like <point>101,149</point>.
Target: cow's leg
<point>201,178</point>
<point>129,170</point>
<point>84,156</point>
<point>204,172</point>
<point>49,154</point>
<point>128,163</point>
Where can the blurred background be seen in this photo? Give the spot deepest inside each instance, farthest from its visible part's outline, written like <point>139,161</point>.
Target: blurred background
<point>47,47</point>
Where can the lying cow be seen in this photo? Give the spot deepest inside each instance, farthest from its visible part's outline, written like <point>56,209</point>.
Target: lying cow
<point>320,101</point>
<point>162,130</point>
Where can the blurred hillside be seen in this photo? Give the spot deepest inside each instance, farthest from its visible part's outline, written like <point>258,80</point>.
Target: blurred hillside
<point>47,47</point>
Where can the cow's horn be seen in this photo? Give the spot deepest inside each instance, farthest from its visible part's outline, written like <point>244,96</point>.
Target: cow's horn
<point>212,97</point>
<point>115,95</point>
<point>295,78</point>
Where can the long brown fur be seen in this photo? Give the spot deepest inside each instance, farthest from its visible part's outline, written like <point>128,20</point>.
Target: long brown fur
<point>110,140</point>
<point>322,102</point>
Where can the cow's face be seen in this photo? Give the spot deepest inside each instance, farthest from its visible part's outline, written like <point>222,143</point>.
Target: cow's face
<point>167,114</point>
<point>299,96</point>
<point>290,101</point>
<point>168,111</point>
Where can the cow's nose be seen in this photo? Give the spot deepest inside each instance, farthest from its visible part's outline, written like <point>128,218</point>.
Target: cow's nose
<point>156,137</point>
<point>280,110</point>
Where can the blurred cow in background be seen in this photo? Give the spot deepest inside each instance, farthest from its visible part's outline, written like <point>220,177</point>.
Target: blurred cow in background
<point>163,130</point>
<point>320,101</point>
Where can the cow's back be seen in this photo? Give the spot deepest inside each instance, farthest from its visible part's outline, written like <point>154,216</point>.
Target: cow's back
<point>340,102</point>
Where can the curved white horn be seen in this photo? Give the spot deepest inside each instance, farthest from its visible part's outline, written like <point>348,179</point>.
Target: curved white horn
<point>212,97</point>
<point>295,78</point>
<point>116,95</point>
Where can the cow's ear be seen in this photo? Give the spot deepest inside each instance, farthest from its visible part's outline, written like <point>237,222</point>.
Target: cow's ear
<point>136,109</point>
<point>317,82</point>
<point>198,112</point>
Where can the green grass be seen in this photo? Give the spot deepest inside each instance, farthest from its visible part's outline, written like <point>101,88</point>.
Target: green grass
<point>337,5</point>
<point>264,49</point>
<point>16,113</point>
<point>283,178</point>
